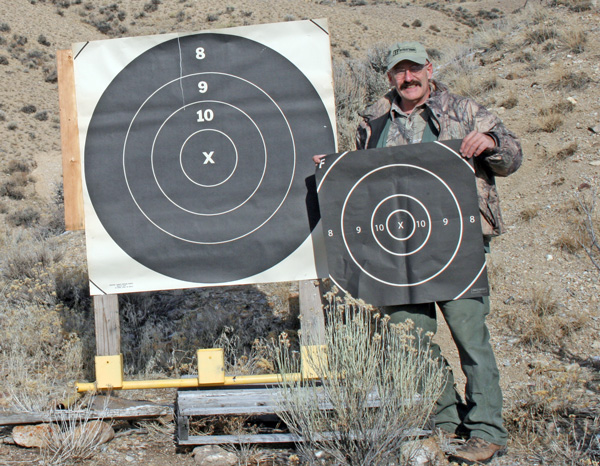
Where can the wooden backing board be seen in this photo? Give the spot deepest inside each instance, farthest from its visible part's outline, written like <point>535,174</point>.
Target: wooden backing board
<point>312,319</point>
<point>239,439</point>
<point>267,438</point>
<point>69,135</point>
<point>241,401</point>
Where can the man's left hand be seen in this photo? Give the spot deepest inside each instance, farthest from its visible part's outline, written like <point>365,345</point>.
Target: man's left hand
<point>475,143</point>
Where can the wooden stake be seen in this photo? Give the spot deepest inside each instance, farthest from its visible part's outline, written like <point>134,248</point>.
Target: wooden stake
<point>312,320</point>
<point>108,327</point>
<point>69,134</point>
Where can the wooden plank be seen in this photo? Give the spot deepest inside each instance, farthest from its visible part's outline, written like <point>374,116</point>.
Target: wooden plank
<point>108,328</point>
<point>244,401</point>
<point>268,438</point>
<point>134,412</point>
<point>239,439</point>
<point>312,319</point>
<point>224,402</point>
<point>69,134</point>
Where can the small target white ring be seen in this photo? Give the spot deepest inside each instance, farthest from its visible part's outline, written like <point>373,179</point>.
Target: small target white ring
<point>380,280</point>
<point>414,223</point>
<point>389,229</point>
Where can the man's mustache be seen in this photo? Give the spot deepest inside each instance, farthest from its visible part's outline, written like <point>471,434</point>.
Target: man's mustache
<point>412,83</point>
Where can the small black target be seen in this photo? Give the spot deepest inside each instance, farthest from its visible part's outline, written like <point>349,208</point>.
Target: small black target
<point>402,224</point>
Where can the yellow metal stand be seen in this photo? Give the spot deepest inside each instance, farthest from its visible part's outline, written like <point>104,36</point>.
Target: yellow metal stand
<point>211,372</point>
<point>109,372</point>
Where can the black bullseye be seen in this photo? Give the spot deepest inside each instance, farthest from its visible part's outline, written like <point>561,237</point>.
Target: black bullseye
<point>400,225</point>
<point>199,152</point>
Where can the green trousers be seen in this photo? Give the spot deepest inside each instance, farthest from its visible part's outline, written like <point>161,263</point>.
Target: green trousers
<point>481,414</point>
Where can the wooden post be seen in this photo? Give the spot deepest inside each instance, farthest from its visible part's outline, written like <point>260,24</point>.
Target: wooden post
<point>108,328</point>
<point>106,308</point>
<point>69,135</point>
<point>312,320</point>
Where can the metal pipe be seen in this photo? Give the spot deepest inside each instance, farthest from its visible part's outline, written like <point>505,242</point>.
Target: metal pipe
<point>194,383</point>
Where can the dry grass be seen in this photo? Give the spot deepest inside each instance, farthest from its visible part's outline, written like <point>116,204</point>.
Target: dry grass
<point>591,221</point>
<point>365,358</point>
<point>476,88</point>
<point>570,242</point>
<point>566,151</point>
<point>529,213</point>
<point>574,39</point>
<point>357,83</point>
<point>511,101</point>
<point>548,122</point>
<point>564,78</point>
<point>543,321</point>
<point>541,34</point>
<point>460,63</point>
<point>74,440</point>
<point>38,360</point>
<point>573,5</point>
<point>554,422</point>
<point>552,117</point>
<point>491,38</point>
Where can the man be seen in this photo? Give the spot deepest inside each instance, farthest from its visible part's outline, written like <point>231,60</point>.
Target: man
<point>420,109</point>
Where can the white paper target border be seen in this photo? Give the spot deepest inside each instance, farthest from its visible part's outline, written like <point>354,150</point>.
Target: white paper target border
<point>304,43</point>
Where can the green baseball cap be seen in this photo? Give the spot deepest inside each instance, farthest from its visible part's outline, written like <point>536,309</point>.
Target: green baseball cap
<point>412,51</point>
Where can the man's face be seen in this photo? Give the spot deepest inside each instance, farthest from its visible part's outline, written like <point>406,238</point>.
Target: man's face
<point>411,80</point>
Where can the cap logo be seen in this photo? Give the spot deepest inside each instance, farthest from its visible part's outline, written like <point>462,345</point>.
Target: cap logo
<point>397,51</point>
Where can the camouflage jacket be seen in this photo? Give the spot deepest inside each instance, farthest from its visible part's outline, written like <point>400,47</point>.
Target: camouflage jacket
<point>455,117</point>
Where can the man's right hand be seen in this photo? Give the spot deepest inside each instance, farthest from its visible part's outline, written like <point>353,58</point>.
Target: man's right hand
<point>317,158</point>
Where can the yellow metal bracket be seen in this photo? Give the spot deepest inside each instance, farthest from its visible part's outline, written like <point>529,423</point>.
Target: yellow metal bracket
<point>211,366</point>
<point>313,361</point>
<point>211,372</point>
<point>109,372</point>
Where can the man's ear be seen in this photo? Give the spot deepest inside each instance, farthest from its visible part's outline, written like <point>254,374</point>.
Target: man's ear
<point>429,70</point>
<point>391,79</point>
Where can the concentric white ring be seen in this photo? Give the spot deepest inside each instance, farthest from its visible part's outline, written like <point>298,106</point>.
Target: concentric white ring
<point>377,239</point>
<point>347,246</point>
<point>288,188</point>
<point>262,176</point>
<point>234,165</point>
<point>389,230</point>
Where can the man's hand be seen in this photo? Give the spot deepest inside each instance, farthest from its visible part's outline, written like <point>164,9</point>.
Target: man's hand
<point>317,158</point>
<point>475,143</point>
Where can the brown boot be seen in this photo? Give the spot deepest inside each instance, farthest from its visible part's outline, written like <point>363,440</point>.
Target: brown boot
<point>476,451</point>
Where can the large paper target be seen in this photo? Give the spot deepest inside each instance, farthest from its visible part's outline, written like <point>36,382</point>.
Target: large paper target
<point>402,224</point>
<point>197,152</point>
